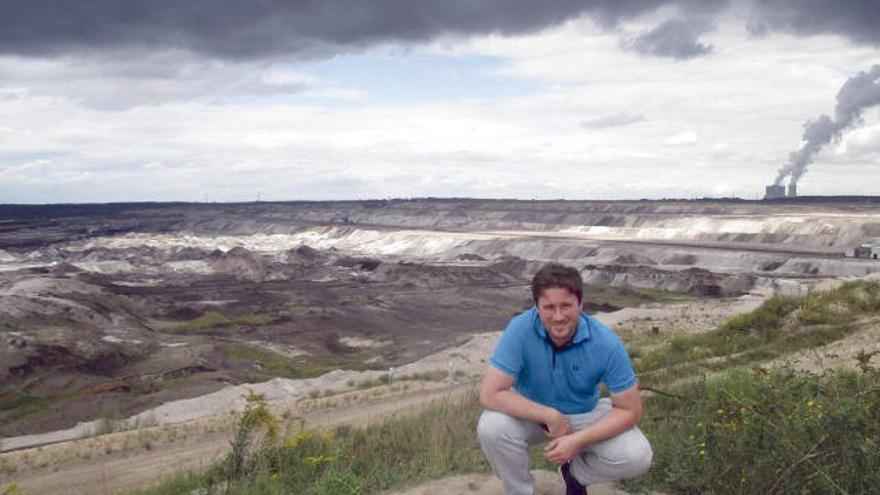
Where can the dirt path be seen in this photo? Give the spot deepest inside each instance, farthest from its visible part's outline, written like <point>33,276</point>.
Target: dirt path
<point>125,471</point>
<point>133,469</point>
<point>546,483</point>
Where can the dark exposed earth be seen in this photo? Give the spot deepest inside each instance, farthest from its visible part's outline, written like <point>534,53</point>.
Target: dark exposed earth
<point>108,310</point>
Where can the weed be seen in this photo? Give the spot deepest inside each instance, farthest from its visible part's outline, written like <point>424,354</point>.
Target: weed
<point>7,467</point>
<point>25,405</point>
<point>105,425</point>
<point>426,376</point>
<point>237,463</point>
<point>361,301</point>
<point>335,481</point>
<point>215,319</point>
<point>185,482</point>
<point>437,442</point>
<point>631,296</point>
<point>211,319</point>
<point>299,309</point>
<point>369,383</point>
<point>781,325</point>
<point>255,320</point>
<point>752,431</point>
<point>274,364</point>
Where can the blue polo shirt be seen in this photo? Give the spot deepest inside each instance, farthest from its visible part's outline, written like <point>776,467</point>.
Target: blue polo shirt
<point>565,379</point>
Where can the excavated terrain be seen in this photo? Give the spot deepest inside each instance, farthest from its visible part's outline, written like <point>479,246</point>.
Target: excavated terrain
<point>110,310</point>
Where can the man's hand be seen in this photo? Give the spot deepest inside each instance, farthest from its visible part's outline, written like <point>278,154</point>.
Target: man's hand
<point>558,425</point>
<point>562,449</point>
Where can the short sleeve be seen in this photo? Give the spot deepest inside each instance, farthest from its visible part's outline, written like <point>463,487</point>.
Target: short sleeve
<point>508,354</point>
<point>619,374</point>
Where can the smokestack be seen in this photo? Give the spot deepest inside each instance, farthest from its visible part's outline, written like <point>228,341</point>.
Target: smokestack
<point>774,192</point>
<point>857,93</point>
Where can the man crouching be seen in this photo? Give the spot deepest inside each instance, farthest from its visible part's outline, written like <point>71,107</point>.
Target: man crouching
<point>543,382</point>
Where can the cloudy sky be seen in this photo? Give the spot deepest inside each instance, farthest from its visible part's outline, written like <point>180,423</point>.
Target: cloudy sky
<point>234,100</point>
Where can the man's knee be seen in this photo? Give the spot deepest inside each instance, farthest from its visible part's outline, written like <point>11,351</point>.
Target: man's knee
<point>637,458</point>
<point>490,428</point>
<point>640,460</point>
<point>495,428</point>
<point>626,456</point>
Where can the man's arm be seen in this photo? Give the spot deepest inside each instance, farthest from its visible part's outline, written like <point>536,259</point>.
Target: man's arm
<point>626,412</point>
<point>496,394</point>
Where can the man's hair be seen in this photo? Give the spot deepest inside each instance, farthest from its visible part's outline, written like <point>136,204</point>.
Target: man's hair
<point>554,275</point>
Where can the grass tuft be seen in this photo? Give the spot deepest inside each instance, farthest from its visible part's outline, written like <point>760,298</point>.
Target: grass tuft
<point>25,405</point>
<point>432,444</point>
<point>752,431</point>
<point>215,319</point>
<point>780,326</point>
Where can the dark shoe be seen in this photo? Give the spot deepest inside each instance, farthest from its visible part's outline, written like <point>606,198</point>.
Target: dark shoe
<point>572,485</point>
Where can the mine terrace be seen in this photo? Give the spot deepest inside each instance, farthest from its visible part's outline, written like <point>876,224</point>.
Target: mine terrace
<point>112,310</point>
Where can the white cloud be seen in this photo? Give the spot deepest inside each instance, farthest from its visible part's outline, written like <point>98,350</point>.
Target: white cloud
<point>592,121</point>
<point>861,142</point>
<point>686,137</point>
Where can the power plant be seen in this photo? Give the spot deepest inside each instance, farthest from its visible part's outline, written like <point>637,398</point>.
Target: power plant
<point>857,94</point>
<point>774,191</point>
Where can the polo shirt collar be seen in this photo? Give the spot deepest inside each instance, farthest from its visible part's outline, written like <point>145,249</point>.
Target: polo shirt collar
<point>581,333</point>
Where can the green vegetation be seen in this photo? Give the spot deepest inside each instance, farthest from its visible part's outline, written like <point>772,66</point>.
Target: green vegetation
<point>630,296</point>
<point>25,405</point>
<point>362,301</point>
<point>299,309</point>
<point>272,364</point>
<point>255,320</point>
<point>437,442</point>
<point>426,376</point>
<point>744,432</point>
<point>215,319</point>
<point>728,429</point>
<point>751,431</point>
<point>780,326</point>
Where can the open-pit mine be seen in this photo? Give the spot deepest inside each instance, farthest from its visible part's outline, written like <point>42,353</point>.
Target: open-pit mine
<point>130,312</point>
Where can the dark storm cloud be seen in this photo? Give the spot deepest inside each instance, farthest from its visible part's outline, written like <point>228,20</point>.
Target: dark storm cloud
<point>857,20</point>
<point>675,38</point>
<point>321,28</point>
<point>306,28</point>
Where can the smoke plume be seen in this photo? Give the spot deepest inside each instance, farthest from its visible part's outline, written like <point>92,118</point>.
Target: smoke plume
<point>857,93</point>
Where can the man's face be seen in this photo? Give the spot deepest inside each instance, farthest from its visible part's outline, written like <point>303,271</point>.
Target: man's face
<point>560,312</point>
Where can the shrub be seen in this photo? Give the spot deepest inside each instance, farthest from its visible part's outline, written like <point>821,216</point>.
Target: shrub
<point>780,325</point>
<point>25,405</point>
<point>347,461</point>
<point>759,432</point>
<point>215,319</point>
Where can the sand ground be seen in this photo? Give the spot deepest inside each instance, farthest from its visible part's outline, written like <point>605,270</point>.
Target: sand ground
<point>546,483</point>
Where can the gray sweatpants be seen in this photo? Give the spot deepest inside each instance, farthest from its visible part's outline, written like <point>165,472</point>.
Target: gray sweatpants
<point>506,439</point>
